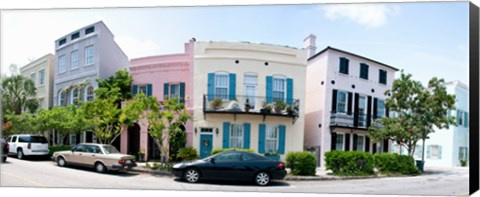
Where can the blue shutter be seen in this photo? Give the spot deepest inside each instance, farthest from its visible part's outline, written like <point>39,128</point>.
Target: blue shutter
<point>226,134</point>
<point>261,138</point>
<point>232,88</point>
<point>246,135</point>
<point>269,90</point>
<point>165,91</point>
<point>182,92</point>
<point>289,91</point>
<point>134,90</point>
<point>281,141</point>
<point>149,90</point>
<point>211,86</point>
<point>465,124</point>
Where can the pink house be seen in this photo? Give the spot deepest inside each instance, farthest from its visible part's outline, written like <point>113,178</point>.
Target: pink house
<point>163,75</point>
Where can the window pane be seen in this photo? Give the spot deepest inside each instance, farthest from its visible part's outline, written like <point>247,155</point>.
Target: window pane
<point>221,86</point>
<point>42,77</point>
<point>360,143</point>
<point>271,139</point>
<point>74,59</point>
<point>380,109</point>
<point>89,55</point>
<point>339,142</point>
<point>341,102</point>
<point>61,64</point>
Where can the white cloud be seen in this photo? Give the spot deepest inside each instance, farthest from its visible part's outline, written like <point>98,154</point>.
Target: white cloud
<point>369,15</point>
<point>135,48</point>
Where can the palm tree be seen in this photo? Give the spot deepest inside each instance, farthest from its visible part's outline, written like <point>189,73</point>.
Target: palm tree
<point>18,95</point>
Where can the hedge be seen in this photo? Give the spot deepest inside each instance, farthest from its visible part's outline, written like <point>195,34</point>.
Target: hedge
<point>301,163</point>
<point>58,148</point>
<point>187,154</point>
<point>349,162</point>
<point>388,163</point>
<point>219,150</point>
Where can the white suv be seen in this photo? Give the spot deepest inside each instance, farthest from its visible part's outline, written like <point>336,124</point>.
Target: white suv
<point>27,145</point>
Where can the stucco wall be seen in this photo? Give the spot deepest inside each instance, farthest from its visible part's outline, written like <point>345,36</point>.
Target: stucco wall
<point>44,91</point>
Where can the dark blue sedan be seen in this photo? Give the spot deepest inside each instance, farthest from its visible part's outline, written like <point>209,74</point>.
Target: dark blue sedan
<point>232,165</point>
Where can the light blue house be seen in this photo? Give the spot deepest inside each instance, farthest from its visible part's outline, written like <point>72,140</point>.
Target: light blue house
<point>446,147</point>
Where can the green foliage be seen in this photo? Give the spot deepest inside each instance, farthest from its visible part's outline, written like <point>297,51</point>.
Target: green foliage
<point>18,94</point>
<point>216,103</point>
<point>463,162</point>
<point>419,110</point>
<point>117,86</point>
<point>187,154</point>
<point>103,115</point>
<point>54,149</point>
<point>301,163</point>
<point>161,166</point>
<point>388,163</point>
<point>219,150</point>
<point>349,162</point>
<point>279,106</point>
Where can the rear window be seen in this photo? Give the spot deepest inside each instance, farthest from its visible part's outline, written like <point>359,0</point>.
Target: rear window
<point>38,139</point>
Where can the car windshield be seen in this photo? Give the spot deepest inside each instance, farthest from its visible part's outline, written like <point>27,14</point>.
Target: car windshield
<point>38,139</point>
<point>110,149</point>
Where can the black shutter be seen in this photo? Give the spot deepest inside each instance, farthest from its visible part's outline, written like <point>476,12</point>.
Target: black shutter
<point>369,110</point>
<point>355,141</point>
<point>374,148</point>
<point>334,101</point>
<point>333,141</point>
<point>347,142</point>
<point>387,112</point>
<point>375,106</point>
<point>346,65</point>
<point>385,146</point>
<point>349,103</point>
<point>367,144</point>
<point>355,111</point>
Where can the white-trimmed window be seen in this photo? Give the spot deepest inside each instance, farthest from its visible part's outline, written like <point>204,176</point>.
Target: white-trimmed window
<point>342,102</point>
<point>339,142</point>
<point>89,94</point>
<point>41,74</point>
<point>62,98</point>
<point>360,143</point>
<point>250,85</point>
<point>271,139</point>
<point>174,91</point>
<point>33,76</point>
<point>279,88</point>
<point>74,60</point>
<point>418,151</point>
<point>380,108</point>
<point>435,152</point>
<point>236,136</point>
<point>362,111</point>
<point>74,97</point>
<point>142,89</point>
<point>62,66</point>
<point>89,53</point>
<point>221,85</point>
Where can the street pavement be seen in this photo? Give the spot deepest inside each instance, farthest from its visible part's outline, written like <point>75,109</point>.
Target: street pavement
<point>46,174</point>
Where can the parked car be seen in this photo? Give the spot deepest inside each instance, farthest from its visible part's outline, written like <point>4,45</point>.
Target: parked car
<point>102,157</point>
<point>27,145</point>
<point>232,165</point>
<point>5,147</point>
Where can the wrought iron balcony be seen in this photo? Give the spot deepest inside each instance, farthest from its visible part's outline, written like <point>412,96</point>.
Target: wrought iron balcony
<point>242,104</point>
<point>348,120</point>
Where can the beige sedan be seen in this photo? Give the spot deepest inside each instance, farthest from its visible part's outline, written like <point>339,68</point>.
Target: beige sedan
<point>102,157</point>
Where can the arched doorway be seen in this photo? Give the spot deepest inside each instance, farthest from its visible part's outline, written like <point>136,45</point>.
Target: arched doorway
<point>133,144</point>
<point>153,151</point>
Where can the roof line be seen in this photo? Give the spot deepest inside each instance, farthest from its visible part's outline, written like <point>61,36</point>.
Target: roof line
<point>352,54</point>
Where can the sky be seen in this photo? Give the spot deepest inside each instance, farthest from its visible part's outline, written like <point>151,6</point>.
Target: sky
<point>428,39</point>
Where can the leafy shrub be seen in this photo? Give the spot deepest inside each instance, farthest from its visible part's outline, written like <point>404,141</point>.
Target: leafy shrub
<point>393,163</point>
<point>161,166</point>
<point>349,162</point>
<point>58,148</point>
<point>301,163</point>
<point>188,153</point>
<point>219,150</point>
<point>463,162</point>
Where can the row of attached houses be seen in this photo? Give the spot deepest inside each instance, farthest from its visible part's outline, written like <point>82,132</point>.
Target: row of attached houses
<point>318,101</point>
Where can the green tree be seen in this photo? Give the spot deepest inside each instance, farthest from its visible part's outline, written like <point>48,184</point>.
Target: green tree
<point>118,86</point>
<point>18,95</point>
<point>419,110</point>
<point>103,116</point>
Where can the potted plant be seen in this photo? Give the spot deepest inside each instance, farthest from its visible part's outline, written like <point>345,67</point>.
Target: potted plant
<point>279,106</point>
<point>247,105</point>
<point>266,108</point>
<point>463,162</point>
<point>289,109</point>
<point>216,103</point>
<point>141,155</point>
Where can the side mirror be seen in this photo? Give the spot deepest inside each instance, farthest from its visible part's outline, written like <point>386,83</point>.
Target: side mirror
<point>212,160</point>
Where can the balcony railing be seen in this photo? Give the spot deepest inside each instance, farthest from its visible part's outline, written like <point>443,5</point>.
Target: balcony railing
<point>242,104</point>
<point>348,120</point>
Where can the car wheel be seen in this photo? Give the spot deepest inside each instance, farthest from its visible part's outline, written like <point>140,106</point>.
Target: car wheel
<point>192,175</point>
<point>61,162</point>
<point>262,178</point>
<point>100,168</point>
<point>20,154</point>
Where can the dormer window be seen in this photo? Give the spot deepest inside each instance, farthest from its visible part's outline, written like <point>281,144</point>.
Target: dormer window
<point>89,30</point>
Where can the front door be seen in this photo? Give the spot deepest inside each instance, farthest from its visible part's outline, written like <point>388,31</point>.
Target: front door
<point>205,145</point>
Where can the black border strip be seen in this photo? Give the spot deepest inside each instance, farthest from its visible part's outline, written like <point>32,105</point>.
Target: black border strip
<point>474,89</point>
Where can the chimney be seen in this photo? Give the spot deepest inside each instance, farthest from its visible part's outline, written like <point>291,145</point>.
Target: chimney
<point>309,45</point>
